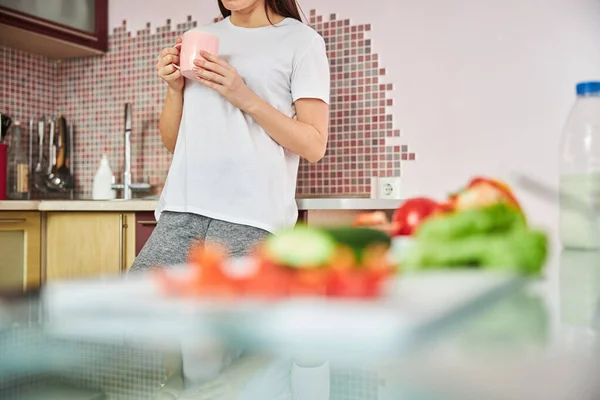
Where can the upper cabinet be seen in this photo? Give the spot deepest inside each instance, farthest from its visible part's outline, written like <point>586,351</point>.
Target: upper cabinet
<point>55,28</point>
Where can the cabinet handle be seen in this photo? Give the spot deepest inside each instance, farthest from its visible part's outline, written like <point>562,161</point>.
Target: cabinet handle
<point>147,223</point>
<point>12,220</point>
<point>121,243</point>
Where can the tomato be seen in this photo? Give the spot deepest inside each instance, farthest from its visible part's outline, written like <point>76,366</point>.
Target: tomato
<point>373,218</point>
<point>346,283</point>
<point>207,256</point>
<point>271,281</point>
<point>412,213</point>
<point>205,278</point>
<point>355,283</point>
<point>309,282</point>
<point>342,277</point>
<point>374,281</point>
<point>188,286</point>
<point>209,260</point>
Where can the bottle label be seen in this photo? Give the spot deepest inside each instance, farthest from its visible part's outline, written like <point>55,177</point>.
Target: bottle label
<point>580,226</point>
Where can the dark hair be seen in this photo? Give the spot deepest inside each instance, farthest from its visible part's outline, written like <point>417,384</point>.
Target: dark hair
<point>285,8</point>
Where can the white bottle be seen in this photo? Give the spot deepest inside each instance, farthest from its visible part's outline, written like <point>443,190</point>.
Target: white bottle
<point>580,171</point>
<point>102,186</point>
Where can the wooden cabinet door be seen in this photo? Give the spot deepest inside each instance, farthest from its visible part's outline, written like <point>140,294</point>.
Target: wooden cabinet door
<point>83,245</point>
<point>144,226</point>
<point>56,29</point>
<point>19,251</point>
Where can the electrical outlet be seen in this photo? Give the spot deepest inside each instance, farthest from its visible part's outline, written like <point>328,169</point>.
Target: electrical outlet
<point>389,188</point>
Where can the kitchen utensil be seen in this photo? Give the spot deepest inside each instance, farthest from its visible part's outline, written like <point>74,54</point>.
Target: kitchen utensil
<point>51,173</point>
<point>61,159</point>
<point>51,148</point>
<point>5,122</point>
<point>39,175</point>
<point>58,178</point>
<point>70,184</point>
<point>30,150</point>
<point>193,43</point>
<point>3,169</point>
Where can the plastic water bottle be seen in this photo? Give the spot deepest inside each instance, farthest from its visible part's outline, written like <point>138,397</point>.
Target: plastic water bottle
<point>580,171</point>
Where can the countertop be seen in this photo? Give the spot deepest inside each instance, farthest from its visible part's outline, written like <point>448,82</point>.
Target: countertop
<point>539,342</point>
<point>150,205</point>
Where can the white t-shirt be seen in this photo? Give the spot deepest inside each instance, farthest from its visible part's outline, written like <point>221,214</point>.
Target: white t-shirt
<point>225,166</point>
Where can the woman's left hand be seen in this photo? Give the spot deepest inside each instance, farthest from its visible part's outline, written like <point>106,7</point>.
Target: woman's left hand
<point>213,72</point>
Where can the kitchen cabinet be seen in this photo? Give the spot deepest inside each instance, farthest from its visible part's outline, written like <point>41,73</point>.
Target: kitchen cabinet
<point>302,217</point>
<point>88,244</point>
<point>19,250</point>
<point>55,28</point>
<point>144,226</point>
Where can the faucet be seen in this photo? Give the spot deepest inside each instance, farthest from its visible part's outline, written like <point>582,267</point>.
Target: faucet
<point>127,187</point>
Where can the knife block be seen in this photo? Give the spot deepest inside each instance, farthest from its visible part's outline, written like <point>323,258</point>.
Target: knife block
<point>3,169</point>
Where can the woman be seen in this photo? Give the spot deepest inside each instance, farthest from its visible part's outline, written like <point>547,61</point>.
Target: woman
<point>237,132</point>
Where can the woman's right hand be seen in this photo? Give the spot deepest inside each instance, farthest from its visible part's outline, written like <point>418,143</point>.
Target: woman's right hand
<point>166,69</point>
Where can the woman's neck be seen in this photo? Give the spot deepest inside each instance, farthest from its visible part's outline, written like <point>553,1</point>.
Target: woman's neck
<point>255,17</point>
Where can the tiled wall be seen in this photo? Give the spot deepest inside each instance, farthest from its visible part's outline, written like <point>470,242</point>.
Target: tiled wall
<point>91,92</point>
<point>359,120</point>
<point>28,87</point>
<point>94,92</point>
<point>28,84</point>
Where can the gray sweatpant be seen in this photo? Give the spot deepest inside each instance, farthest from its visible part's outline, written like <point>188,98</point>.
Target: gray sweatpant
<point>168,246</point>
<point>201,363</point>
<point>170,241</point>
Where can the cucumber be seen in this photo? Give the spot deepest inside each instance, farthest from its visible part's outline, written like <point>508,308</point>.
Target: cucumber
<point>301,247</point>
<point>358,239</point>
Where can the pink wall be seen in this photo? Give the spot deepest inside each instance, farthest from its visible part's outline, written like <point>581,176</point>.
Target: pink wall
<point>480,87</point>
<point>91,92</point>
<point>139,12</point>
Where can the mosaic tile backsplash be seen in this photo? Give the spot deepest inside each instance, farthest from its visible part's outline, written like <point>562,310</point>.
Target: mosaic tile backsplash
<point>91,92</point>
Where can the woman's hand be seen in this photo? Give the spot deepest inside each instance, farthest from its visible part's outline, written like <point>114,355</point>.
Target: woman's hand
<point>166,70</point>
<point>215,73</point>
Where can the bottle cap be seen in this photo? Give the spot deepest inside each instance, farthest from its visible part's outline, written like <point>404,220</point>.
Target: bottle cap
<point>588,88</point>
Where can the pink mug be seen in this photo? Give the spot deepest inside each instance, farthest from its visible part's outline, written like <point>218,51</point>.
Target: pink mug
<point>193,42</point>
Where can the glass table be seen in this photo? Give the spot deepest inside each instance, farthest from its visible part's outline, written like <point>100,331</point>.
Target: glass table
<point>516,340</point>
